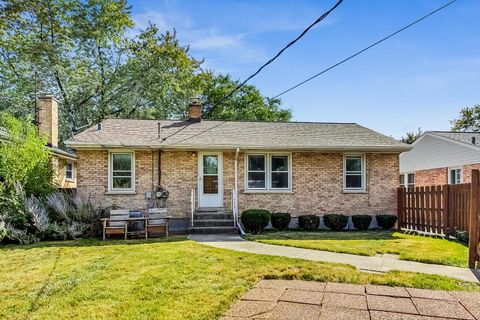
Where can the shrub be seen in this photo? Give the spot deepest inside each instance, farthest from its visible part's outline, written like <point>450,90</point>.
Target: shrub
<point>386,221</point>
<point>255,220</point>
<point>281,220</point>
<point>335,222</point>
<point>361,221</point>
<point>309,222</point>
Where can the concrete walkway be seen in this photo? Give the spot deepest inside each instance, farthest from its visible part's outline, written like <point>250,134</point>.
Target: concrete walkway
<point>379,263</point>
<point>310,300</point>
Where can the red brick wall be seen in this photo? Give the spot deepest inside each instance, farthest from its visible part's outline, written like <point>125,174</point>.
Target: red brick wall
<point>317,183</point>
<point>439,176</point>
<point>431,177</point>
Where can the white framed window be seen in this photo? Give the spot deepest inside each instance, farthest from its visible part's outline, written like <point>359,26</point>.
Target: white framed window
<point>121,171</point>
<point>354,172</point>
<point>410,180</point>
<point>268,171</point>
<point>455,175</point>
<point>401,180</point>
<point>69,174</point>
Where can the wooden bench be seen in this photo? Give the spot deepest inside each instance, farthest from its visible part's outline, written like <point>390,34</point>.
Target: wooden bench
<point>116,224</point>
<point>157,222</point>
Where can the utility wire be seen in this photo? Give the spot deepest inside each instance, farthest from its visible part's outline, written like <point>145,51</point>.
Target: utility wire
<point>365,49</point>
<point>323,16</point>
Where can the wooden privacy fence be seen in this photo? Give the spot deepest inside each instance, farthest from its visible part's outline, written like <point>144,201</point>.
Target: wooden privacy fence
<point>444,210</point>
<point>435,209</point>
<point>474,222</point>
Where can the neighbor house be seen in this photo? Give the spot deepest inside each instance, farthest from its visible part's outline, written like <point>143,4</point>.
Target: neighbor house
<point>204,165</point>
<point>63,162</point>
<point>440,157</point>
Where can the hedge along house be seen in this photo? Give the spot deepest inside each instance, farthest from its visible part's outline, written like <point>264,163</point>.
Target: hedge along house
<point>225,167</point>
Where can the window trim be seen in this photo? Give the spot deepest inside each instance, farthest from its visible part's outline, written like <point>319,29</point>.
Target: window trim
<point>405,179</point>
<point>265,171</point>
<point>110,173</point>
<point>450,177</point>
<point>73,171</point>
<point>268,172</point>
<point>362,173</point>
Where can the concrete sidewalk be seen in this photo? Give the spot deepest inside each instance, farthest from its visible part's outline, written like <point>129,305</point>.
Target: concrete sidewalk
<point>379,263</point>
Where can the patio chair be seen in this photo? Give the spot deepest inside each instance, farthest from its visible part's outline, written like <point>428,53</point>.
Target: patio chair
<point>116,224</point>
<point>157,222</point>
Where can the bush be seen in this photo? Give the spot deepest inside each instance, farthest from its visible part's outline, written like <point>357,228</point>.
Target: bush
<point>386,221</point>
<point>281,220</point>
<point>309,222</point>
<point>361,221</point>
<point>255,220</point>
<point>3,230</point>
<point>335,222</point>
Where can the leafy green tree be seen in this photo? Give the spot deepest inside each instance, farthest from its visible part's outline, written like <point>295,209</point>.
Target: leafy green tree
<point>25,168</point>
<point>410,137</point>
<point>83,51</point>
<point>469,119</point>
<point>245,104</point>
<point>23,157</point>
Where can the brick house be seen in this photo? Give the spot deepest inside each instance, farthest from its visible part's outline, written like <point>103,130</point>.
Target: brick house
<point>229,166</point>
<point>440,157</point>
<point>63,162</point>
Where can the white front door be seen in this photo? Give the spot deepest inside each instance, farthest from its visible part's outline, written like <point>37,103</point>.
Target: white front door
<point>210,179</point>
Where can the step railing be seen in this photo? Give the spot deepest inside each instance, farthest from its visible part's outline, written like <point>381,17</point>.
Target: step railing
<point>192,204</point>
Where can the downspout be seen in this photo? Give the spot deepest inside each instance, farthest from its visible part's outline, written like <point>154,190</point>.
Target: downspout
<point>159,167</point>
<point>235,190</point>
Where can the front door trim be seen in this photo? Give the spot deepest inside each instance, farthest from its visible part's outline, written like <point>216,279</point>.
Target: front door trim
<point>210,200</point>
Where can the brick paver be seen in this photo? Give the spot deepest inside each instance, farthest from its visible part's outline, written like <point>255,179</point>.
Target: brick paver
<point>285,299</point>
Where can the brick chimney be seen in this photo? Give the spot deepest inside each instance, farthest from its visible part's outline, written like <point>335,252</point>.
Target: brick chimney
<point>48,118</point>
<point>195,110</point>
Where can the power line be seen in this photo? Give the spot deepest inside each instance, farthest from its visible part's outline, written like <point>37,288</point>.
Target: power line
<point>323,16</point>
<point>365,49</point>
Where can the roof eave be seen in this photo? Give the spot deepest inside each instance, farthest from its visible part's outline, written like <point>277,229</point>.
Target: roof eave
<point>384,148</point>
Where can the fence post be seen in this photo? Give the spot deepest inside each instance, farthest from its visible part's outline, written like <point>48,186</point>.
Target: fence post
<point>473,232</point>
<point>400,208</point>
<point>445,210</point>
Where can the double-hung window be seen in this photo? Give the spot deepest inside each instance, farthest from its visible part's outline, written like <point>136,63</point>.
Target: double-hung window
<point>69,171</point>
<point>354,172</point>
<point>455,176</point>
<point>268,171</point>
<point>411,180</point>
<point>122,171</point>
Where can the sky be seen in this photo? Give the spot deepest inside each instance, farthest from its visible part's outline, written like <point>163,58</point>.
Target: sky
<point>421,78</point>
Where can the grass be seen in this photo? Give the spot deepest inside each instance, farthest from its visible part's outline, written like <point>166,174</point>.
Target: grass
<point>411,247</point>
<point>138,279</point>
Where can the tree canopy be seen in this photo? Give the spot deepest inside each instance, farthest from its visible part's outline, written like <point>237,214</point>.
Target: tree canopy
<point>469,119</point>
<point>87,53</point>
<point>410,137</point>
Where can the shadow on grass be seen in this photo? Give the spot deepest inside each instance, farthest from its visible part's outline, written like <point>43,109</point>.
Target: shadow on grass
<point>91,242</point>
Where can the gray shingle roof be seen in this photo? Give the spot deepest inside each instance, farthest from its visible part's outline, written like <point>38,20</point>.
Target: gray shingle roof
<point>465,137</point>
<point>232,134</point>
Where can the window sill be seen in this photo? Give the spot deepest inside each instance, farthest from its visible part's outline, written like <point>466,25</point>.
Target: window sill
<point>70,180</point>
<point>269,191</point>
<point>355,191</point>
<point>120,193</point>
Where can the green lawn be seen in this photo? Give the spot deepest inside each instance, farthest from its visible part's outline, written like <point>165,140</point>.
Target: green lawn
<point>176,279</point>
<point>409,246</point>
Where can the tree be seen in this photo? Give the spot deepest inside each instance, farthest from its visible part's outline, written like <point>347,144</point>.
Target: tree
<point>410,137</point>
<point>245,104</point>
<point>469,119</point>
<point>83,52</point>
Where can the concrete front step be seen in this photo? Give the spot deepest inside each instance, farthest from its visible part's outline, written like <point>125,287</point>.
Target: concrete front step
<point>213,223</point>
<point>212,216</point>
<point>210,209</point>
<point>213,230</point>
